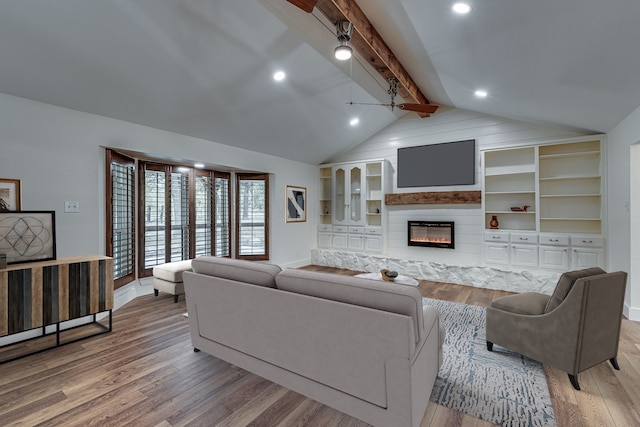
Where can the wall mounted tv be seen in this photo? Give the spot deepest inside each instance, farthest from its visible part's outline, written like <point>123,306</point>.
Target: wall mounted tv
<point>450,163</point>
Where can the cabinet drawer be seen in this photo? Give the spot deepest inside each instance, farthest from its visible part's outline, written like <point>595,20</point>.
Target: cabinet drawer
<point>373,230</point>
<point>496,236</point>
<point>524,238</point>
<point>356,229</point>
<point>324,227</point>
<point>554,240</point>
<point>587,241</point>
<point>339,228</point>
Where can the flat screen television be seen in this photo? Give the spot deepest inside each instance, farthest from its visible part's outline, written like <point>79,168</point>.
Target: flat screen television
<point>450,163</point>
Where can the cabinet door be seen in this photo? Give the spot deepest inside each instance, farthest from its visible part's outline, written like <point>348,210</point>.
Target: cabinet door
<point>356,241</point>
<point>587,257</point>
<point>373,243</point>
<point>340,194</point>
<point>496,253</point>
<point>524,255</point>
<point>324,240</point>
<point>554,258</point>
<point>355,201</point>
<point>339,240</point>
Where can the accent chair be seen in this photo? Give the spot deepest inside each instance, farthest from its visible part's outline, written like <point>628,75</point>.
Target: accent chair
<point>573,330</point>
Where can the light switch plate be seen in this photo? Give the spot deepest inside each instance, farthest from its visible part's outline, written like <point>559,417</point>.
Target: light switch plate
<point>72,206</point>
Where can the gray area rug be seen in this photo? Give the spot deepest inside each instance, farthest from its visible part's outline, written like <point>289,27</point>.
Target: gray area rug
<point>500,387</point>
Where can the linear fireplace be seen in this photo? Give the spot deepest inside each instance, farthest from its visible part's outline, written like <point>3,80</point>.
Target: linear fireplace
<point>433,234</point>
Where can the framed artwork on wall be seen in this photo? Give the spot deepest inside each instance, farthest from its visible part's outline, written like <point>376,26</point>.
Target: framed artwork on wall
<point>27,236</point>
<point>9,194</point>
<point>296,208</point>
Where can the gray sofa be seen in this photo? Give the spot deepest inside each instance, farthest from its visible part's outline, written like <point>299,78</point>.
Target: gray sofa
<point>364,347</point>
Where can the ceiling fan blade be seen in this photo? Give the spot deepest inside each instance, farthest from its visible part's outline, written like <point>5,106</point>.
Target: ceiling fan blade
<point>368,103</point>
<point>306,5</point>
<point>419,108</point>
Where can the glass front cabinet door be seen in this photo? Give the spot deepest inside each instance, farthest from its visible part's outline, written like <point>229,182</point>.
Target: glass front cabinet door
<point>348,195</point>
<point>355,195</point>
<point>339,196</point>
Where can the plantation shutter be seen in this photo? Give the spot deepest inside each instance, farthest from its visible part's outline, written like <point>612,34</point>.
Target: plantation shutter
<point>252,201</point>
<point>154,213</point>
<point>179,200</point>
<point>120,241</point>
<point>222,215</point>
<point>203,210</point>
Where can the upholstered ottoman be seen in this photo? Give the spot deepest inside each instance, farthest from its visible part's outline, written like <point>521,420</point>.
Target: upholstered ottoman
<point>168,278</point>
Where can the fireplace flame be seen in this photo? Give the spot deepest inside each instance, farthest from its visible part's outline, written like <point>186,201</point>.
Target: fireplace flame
<point>431,239</point>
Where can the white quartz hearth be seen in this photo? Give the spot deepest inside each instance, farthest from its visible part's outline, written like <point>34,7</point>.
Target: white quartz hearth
<point>478,276</point>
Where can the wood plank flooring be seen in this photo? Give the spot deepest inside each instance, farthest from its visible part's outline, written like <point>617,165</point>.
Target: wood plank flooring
<point>145,373</point>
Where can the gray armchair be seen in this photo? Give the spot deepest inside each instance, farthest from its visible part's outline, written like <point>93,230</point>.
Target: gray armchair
<point>574,329</point>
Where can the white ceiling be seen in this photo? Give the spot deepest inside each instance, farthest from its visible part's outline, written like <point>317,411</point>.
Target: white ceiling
<point>204,67</point>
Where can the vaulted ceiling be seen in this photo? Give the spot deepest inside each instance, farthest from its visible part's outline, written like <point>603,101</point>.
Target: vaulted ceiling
<point>204,68</point>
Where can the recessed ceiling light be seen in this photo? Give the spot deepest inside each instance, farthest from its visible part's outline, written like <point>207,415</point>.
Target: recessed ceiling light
<point>461,8</point>
<point>198,165</point>
<point>279,76</point>
<point>481,93</point>
<point>354,121</point>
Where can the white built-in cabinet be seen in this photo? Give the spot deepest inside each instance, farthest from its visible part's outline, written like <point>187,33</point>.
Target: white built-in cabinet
<point>560,184</point>
<point>352,212</point>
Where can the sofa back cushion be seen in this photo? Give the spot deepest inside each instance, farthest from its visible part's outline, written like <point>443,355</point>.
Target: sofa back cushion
<point>238,270</point>
<point>379,295</point>
<point>565,283</point>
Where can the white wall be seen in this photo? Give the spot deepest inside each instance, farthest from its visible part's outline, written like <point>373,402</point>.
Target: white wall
<point>623,200</point>
<point>445,126</point>
<point>58,155</point>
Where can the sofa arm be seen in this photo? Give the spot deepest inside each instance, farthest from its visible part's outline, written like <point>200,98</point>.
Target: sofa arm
<point>432,325</point>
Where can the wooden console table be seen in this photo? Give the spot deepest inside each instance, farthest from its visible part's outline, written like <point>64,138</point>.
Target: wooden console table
<point>40,294</point>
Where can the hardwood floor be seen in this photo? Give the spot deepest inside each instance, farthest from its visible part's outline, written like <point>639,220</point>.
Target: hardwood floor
<point>145,373</point>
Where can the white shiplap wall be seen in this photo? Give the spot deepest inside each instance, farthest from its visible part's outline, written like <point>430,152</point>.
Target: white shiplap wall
<point>447,125</point>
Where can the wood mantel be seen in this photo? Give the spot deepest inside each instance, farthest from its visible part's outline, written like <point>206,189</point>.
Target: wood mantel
<point>434,198</point>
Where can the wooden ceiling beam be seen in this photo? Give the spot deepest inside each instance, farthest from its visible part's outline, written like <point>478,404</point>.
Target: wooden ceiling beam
<point>370,45</point>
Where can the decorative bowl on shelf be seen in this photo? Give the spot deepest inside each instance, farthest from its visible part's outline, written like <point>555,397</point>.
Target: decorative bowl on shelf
<point>519,209</point>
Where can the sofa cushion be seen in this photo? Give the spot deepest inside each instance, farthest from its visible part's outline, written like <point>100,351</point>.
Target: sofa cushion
<point>172,271</point>
<point>565,283</point>
<point>531,303</point>
<point>239,270</point>
<point>379,295</point>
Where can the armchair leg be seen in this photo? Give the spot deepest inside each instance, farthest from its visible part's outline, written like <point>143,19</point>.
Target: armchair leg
<point>614,363</point>
<point>574,381</point>
<point>489,346</point>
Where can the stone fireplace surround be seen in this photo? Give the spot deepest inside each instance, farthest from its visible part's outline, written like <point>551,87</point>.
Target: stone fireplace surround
<point>487,277</point>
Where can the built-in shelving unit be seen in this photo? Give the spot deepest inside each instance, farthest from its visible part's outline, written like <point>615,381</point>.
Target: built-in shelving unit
<point>570,188</point>
<point>352,211</point>
<point>510,181</point>
<point>325,195</point>
<point>561,185</point>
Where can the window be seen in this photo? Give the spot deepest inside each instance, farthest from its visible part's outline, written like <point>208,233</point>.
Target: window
<point>252,206</point>
<point>182,213</point>
<point>120,204</point>
<point>165,210</point>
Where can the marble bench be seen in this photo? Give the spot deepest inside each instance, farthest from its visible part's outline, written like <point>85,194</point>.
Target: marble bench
<point>168,278</point>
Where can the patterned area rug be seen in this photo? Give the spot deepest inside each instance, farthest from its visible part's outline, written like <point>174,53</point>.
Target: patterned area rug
<point>500,387</point>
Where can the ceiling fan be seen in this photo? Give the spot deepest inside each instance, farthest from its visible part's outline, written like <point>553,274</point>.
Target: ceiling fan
<point>393,92</point>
